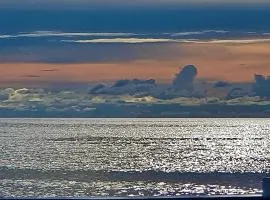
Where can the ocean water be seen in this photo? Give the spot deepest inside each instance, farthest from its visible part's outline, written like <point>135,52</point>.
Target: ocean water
<point>132,157</point>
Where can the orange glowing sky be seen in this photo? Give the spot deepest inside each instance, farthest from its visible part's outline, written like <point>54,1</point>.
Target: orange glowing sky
<point>230,62</point>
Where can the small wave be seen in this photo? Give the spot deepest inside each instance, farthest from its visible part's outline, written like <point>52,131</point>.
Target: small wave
<point>245,179</point>
<point>143,139</point>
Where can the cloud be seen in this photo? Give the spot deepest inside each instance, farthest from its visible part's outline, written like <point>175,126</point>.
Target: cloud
<point>121,83</point>
<point>97,88</point>
<point>64,34</point>
<point>192,35</point>
<point>32,76</point>
<point>198,40</point>
<point>184,79</point>
<point>221,32</point>
<point>25,95</point>
<point>221,84</point>
<point>123,98</point>
<point>49,70</point>
<point>182,86</point>
<point>126,87</point>
<point>261,87</point>
<point>122,40</point>
<point>185,90</point>
<point>237,93</point>
<point>5,93</point>
<point>125,82</point>
<point>200,37</point>
<point>233,41</point>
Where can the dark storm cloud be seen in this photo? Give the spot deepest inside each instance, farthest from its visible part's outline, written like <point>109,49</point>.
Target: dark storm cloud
<point>125,82</point>
<point>221,84</point>
<point>181,86</point>
<point>184,79</point>
<point>125,86</point>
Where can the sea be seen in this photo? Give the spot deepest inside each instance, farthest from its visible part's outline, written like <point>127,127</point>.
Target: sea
<point>128,157</point>
<point>133,157</point>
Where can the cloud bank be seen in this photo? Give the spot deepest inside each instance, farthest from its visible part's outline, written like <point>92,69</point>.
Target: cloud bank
<point>184,97</point>
<point>261,87</point>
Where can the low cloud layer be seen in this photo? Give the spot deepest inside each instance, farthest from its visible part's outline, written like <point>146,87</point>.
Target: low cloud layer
<point>184,96</point>
<point>261,86</point>
<point>128,87</point>
<point>182,85</point>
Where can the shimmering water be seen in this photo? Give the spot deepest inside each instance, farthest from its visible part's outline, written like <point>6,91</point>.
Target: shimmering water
<point>126,157</point>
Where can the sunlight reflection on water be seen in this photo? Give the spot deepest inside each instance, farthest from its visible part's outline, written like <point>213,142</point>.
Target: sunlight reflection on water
<point>84,150</point>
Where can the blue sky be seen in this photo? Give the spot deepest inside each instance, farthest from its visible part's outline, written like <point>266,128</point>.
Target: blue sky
<point>63,3</point>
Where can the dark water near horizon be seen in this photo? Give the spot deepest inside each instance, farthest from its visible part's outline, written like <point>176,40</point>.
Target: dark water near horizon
<point>127,157</point>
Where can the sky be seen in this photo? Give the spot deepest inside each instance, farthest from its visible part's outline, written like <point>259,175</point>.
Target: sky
<point>87,55</point>
<point>96,46</point>
<point>228,62</point>
<point>83,3</point>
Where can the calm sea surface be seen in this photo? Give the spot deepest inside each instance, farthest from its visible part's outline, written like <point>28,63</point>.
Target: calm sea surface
<point>127,157</point>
